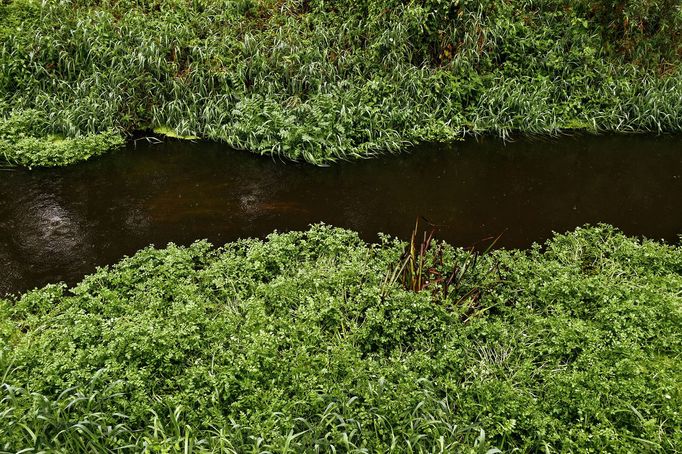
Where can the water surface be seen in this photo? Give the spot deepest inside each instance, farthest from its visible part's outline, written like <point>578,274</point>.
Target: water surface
<point>60,224</point>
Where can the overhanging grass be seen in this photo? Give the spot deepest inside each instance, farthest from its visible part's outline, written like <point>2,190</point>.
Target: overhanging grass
<point>325,80</point>
<point>300,343</point>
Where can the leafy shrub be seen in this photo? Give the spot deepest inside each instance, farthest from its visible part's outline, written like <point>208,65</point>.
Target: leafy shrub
<point>22,144</point>
<point>296,344</point>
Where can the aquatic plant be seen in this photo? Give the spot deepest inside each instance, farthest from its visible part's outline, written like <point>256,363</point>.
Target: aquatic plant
<point>422,266</point>
<point>322,81</point>
<point>296,344</point>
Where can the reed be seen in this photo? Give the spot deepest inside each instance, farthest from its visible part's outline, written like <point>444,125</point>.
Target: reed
<point>422,266</point>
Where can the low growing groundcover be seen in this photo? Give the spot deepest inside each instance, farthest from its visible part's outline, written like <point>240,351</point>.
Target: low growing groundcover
<point>308,342</point>
<point>325,80</point>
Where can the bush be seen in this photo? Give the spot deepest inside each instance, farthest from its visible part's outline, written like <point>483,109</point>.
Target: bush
<point>300,343</point>
<point>21,142</point>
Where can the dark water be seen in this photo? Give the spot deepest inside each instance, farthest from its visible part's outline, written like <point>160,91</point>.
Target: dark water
<point>60,224</point>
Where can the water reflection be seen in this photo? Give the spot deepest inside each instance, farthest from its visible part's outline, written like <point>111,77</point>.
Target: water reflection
<point>62,223</point>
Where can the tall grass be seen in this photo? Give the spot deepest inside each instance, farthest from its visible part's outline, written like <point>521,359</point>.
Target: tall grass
<point>72,423</point>
<point>323,81</point>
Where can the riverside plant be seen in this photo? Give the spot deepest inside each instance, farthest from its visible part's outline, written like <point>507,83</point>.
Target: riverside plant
<point>297,344</point>
<point>50,424</point>
<point>422,267</point>
<point>326,81</point>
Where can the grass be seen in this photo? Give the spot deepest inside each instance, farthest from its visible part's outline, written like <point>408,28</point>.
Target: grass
<point>322,81</point>
<point>304,343</point>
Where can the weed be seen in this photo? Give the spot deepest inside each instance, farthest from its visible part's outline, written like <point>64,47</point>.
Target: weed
<point>298,344</point>
<point>327,81</point>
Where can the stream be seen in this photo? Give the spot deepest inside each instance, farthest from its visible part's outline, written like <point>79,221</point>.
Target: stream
<point>60,224</point>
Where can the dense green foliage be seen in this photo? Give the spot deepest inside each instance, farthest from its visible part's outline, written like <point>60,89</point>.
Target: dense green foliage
<point>302,343</point>
<point>320,80</point>
<point>21,142</point>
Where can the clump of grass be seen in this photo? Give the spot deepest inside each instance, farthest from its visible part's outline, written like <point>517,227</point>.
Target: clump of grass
<point>326,81</point>
<point>297,343</point>
<point>422,266</point>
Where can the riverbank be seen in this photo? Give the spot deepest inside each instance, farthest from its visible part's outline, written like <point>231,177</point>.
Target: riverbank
<point>314,340</point>
<point>325,81</point>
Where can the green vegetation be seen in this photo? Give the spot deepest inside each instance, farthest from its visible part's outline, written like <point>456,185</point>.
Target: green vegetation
<point>309,341</point>
<point>322,80</point>
<point>22,144</point>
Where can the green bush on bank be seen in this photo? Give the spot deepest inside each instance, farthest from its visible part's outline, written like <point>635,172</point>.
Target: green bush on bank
<point>320,80</point>
<point>22,144</point>
<point>301,343</point>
